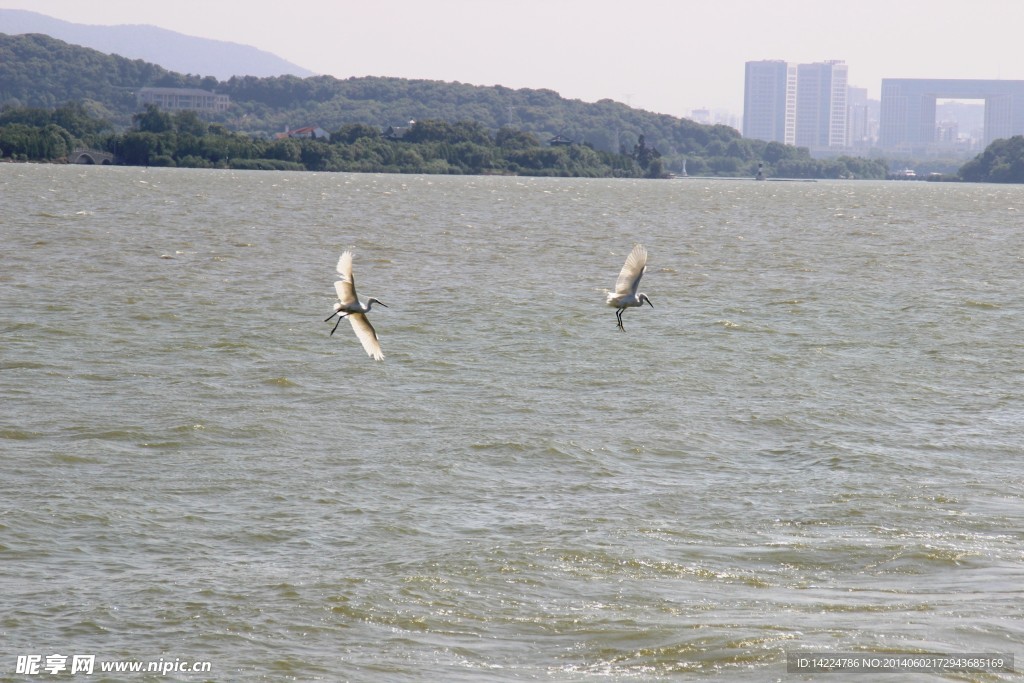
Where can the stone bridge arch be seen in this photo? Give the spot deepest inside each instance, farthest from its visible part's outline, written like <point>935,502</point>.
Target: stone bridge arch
<point>91,156</point>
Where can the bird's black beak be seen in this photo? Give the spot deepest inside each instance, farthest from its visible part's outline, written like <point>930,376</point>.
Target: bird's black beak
<point>383,304</point>
<point>649,303</point>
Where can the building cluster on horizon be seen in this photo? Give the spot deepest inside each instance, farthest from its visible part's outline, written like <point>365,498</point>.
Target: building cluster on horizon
<point>807,105</point>
<point>813,106</point>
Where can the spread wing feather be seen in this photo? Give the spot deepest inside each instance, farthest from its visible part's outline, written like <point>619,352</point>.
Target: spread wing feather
<point>367,335</point>
<point>632,271</point>
<point>346,286</point>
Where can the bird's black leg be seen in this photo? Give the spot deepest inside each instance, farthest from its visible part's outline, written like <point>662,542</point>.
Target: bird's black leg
<point>337,324</point>
<point>618,316</point>
<point>340,316</point>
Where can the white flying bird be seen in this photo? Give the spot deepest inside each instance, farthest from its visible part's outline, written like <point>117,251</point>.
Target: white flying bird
<point>625,295</point>
<point>349,307</point>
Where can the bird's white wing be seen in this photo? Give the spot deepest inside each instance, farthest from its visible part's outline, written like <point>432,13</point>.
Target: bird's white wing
<point>346,293</point>
<point>345,265</point>
<point>367,336</point>
<point>632,271</point>
<point>346,286</point>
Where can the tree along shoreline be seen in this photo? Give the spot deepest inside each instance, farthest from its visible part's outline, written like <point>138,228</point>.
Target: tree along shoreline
<point>183,139</point>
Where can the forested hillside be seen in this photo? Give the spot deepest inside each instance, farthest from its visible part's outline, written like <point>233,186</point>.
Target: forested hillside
<point>1001,162</point>
<point>40,72</point>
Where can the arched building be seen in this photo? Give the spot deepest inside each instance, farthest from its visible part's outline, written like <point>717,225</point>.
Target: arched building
<point>907,119</point>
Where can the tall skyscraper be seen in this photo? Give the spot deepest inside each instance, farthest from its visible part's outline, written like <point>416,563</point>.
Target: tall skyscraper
<point>769,101</point>
<point>821,112</point>
<point>797,104</point>
<point>859,135</point>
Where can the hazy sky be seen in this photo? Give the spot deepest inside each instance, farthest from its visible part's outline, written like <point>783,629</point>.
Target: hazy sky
<point>667,56</point>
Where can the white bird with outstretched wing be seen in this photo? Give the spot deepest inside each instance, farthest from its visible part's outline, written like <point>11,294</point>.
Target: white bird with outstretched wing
<point>625,294</point>
<point>348,306</point>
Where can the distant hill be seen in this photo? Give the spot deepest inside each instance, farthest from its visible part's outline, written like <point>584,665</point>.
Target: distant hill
<point>41,72</point>
<point>173,51</point>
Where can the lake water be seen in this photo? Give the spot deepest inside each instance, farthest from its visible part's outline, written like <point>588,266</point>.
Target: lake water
<point>812,442</point>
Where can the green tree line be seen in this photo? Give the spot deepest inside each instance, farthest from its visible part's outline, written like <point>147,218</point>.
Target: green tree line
<point>429,146</point>
<point>159,138</point>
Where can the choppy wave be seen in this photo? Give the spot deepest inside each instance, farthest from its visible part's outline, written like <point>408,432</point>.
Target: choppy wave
<point>810,442</point>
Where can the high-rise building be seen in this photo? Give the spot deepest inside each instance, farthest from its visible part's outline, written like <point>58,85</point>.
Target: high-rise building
<point>908,109</point>
<point>797,104</point>
<point>858,119</point>
<point>821,113</point>
<point>769,101</point>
